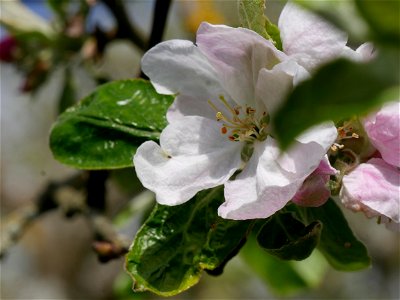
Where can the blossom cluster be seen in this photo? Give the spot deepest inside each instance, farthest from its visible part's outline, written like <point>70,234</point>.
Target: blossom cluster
<point>228,86</point>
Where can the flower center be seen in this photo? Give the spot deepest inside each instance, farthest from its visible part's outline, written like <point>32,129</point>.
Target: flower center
<point>345,132</point>
<point>241,124</point>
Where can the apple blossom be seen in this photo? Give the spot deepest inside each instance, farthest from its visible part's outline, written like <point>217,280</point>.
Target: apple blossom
<point>373,187</point>
<point>228,85</point>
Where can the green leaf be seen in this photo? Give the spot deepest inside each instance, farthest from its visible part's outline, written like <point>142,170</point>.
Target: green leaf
<point>339,90</point>
<point>251,16</point>
<point>337,242</point>
<point>384,19</point>
<point>287,238</point>
<point>274,33</point>
<point>104,130</point>
<point>284,277</point>
<point>176,243</point>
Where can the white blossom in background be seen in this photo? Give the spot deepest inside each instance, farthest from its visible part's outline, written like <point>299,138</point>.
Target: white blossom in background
<point>228,86</point>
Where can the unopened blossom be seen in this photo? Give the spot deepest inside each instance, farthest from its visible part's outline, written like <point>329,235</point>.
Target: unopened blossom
<point>315,191</point>
<point>373,187</point>
<point>228,86</point>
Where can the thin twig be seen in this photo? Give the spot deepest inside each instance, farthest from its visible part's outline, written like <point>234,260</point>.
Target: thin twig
<point>159,21</point>
<point>125,29</point>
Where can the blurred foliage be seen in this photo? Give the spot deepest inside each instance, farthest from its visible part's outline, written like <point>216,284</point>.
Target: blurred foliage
<point>284,278</point>
<point>42,48</point>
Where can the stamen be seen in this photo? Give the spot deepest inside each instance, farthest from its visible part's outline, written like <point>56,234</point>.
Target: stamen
<point>219,116</point>
<point>335,147</point>
<point>243,125</point>
<point>345,132</point>
<point>222,98</point>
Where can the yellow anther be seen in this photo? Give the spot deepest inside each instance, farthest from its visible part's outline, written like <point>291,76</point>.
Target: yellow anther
<point>219,116</point>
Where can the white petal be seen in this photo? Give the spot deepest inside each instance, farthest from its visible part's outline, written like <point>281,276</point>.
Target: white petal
<point>185,105</point>
<point>274,85</point>
<point>193,156</point>
<point>324,134</point>
<point>271,178</point>
<point>178,66</point>
<point>263,187</point>
<point>309,38</point>
<point>306,153</point>
<point>237,54</point>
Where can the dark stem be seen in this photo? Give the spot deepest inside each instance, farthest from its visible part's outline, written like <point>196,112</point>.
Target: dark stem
<point>159,21</point>
<point>96,190</point>
<point>125,28</point>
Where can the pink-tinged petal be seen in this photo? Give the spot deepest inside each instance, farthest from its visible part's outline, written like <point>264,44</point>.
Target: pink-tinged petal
<point>274,85</point>
<point>193,155</point>
<point>262,188</point>
<point>373,188</point>
<point>308,38</point>
<point>237,54</point>
<point>314,191</point>
<point>383,130</point>
<point>325,167</point>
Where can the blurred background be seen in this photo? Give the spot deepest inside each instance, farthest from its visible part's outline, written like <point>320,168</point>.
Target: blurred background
<point>63,51</point>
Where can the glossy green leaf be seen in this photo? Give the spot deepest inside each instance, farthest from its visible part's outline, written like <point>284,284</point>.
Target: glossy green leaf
<point>383,16</point>
<point>287,238</point>
<point>338,90</point>
<point>337,242</point>
<point>104,130</point>
<point>284,277</point>
<point>176,243</point>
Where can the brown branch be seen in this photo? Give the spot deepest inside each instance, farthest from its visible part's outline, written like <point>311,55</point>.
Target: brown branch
<point>69,197</point>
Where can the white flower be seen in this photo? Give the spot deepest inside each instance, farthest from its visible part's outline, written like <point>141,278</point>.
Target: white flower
<point>228,86</point>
